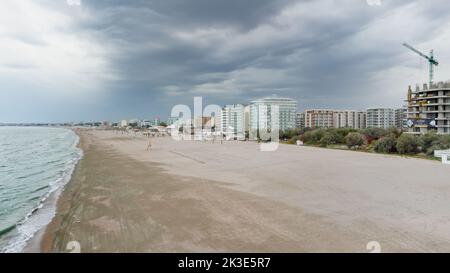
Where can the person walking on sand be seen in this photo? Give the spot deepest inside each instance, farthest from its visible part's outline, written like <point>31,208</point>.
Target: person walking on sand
<point>149,146</point>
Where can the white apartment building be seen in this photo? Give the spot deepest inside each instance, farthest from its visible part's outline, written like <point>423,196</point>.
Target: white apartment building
<point>247,118</point>
<point>319,118</point>
<point>380,118</point>
<point>400,118</point>
<point>300,120</point>
<point>261,113</point>
<point>349,119</point>
<point>233,121</point>
<point>330,118</point>
<point>217,122</point>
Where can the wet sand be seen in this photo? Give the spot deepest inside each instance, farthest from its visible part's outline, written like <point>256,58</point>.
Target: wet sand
<point>202,197</point>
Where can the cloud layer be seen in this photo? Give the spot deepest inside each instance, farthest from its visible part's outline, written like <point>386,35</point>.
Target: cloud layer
<point>124,59</point>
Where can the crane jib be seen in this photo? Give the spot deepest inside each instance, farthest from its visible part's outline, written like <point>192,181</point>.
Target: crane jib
<point>430,59</point>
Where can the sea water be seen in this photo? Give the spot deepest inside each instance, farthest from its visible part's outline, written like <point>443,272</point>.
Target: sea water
<point>35,164</point>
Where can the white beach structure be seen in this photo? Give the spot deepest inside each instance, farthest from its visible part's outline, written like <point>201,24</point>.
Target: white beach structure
<point>444,155</point>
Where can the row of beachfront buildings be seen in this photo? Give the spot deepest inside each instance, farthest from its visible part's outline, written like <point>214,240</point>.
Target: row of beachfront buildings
<point>241,121</point>
<point>426,109</point>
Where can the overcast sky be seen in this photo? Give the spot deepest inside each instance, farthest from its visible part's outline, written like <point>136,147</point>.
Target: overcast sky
<point>109,60</point>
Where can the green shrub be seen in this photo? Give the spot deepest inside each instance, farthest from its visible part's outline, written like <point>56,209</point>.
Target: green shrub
<point>428,140</point>
<point>407,144</point>
<point>386,145</point>
<point>329,138</point>
<point>340,133</point>
<point>313,137</point>
<point>354,139</point>
<point>372,134</point>
<point>290,133</point>
<point>306,137</point>
<point>394,131</point>
<point>442,142</point>
<point>317,135</point>
<point>294,139</point>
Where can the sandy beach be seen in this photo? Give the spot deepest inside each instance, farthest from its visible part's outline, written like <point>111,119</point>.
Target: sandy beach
<point>201,197</point>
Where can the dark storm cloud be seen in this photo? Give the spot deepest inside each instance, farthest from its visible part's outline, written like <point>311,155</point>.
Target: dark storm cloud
<point>148,36</point>
<point>340,54</point>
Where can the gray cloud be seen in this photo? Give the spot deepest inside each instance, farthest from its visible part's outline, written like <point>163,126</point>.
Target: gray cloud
<point>340,54</point>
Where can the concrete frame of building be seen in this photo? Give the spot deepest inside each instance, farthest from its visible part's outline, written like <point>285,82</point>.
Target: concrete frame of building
<point>429,109</point>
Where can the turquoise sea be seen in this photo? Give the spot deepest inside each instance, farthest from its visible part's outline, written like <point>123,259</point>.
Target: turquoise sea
<point>35,164</point>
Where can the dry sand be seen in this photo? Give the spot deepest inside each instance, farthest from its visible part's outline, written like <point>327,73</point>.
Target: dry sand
<point>201,197</point>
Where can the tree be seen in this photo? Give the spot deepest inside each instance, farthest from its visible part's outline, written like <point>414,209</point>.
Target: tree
<point>342,133</point>
<point>394,131</point>
<point>407,144</point>
<point>372,134</point>
<point>354,139</point>
<point>316,136</point>
<point>428,140</point>
<point>386,145</point>
<point>442,142</point>
<point>293,140</point>
<point>289,133</point>
<point>330,137</point>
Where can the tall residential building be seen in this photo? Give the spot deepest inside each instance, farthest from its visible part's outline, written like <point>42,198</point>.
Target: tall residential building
<point>400,118</point>
<point>247,118</point>
<point>261,113</point>
<point>233,121</point>
<point>319,118</point>
<point>362,120</point>
<point>380,118</point>
<point>349,119</point>
<point>429,109</point>
<point>217,120</point>
<point>329,118</point>
<point>300,120</point>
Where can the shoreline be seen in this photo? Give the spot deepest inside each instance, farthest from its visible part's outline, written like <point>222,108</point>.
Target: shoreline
<point>42,242</point>
<point>33,245</point>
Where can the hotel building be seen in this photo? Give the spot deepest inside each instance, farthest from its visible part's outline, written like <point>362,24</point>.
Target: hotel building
<point>233,121</point>
<point>261,113</point>
<point>429,109</point>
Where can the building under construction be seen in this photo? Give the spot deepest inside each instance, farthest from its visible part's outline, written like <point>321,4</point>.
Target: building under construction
<point>429,109</point>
